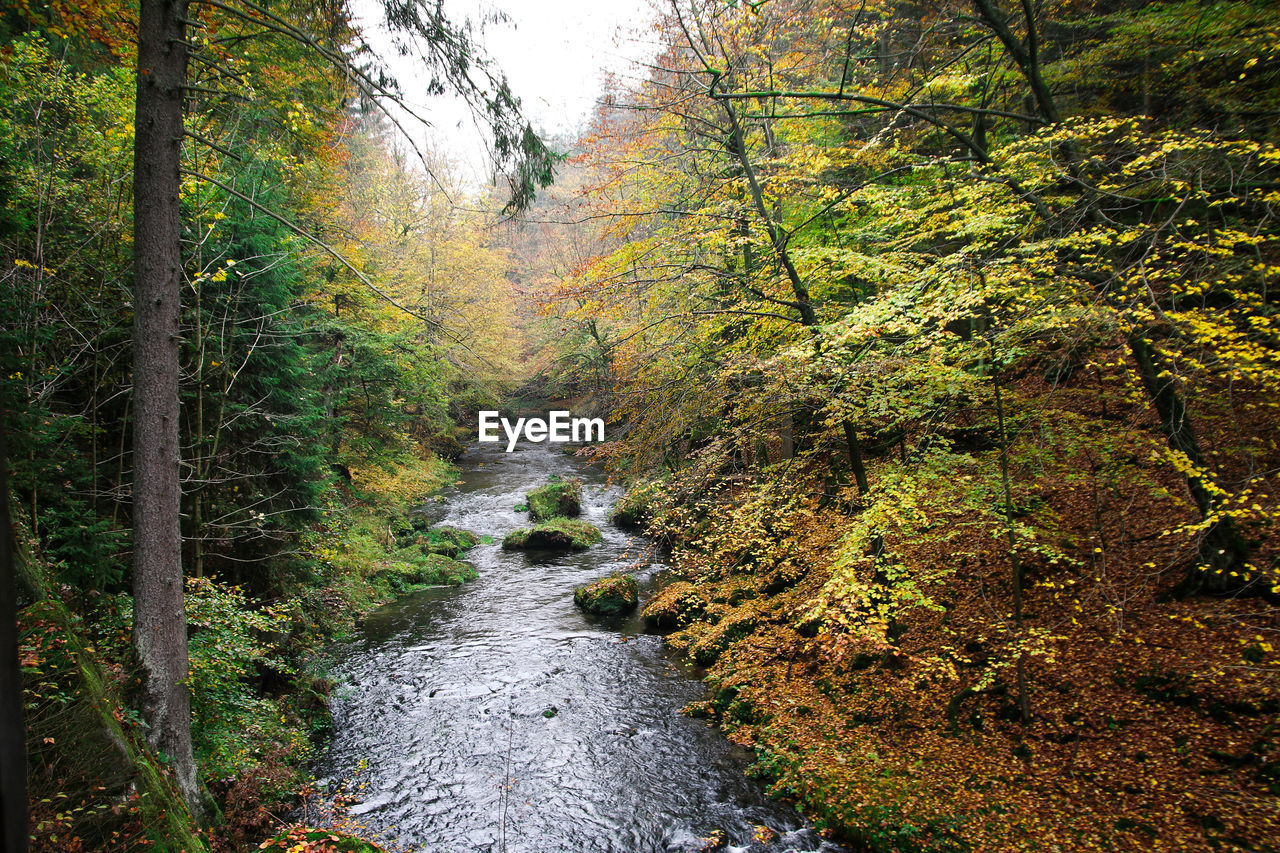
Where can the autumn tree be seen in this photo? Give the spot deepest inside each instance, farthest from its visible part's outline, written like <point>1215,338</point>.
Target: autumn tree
<point>1040,266</point>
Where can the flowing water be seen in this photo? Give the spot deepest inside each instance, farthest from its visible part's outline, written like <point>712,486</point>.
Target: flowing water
<point>496,717</point>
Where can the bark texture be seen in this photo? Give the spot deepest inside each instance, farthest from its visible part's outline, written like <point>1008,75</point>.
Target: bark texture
<point>160,628</point>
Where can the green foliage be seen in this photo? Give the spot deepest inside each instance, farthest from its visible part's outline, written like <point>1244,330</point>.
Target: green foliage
<point>64,161</point>
<point>312,395</point>
<point>230,650</point>
<point>87,549</point>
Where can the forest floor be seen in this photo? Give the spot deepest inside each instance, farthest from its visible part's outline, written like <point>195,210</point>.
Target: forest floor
<point>881,680</point>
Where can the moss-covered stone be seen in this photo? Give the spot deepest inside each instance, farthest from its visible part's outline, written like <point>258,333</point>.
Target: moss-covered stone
<point>634,510</point>
<point>446,540</point>
<point>450,541</point>
<point>558,534</point>
<point>105,765</point>
<point>558,498</point>
<point>611,596</point>
<point>417,567</point>
<point>446,446</point>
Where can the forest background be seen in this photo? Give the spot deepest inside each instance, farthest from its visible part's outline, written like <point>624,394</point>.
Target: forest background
<point>971,509</point>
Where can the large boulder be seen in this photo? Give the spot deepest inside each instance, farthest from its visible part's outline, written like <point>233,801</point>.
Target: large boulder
<point>558,498</point>
<point>558,534</point>
<point>611,596</point>
<point>446,447</point>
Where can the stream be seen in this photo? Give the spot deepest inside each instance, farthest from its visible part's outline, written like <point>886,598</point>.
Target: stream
<point>496,717</point>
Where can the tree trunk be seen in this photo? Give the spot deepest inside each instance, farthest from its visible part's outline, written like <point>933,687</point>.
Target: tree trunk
<point>1024,699</point>
<point>159,622</point>
<point>1222,548</point>
<point>13,756</point>
<point>855,458</point>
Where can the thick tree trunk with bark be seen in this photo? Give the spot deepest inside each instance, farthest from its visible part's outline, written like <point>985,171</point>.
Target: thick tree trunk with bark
<point>160,627</point>
<point>13,755</point>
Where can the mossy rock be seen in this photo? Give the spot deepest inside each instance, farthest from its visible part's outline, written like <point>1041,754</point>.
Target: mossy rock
<point>634,510</point>
<point>449,541</point>
<point>557,499</point>
<point>439,570</point>
<point>611,596</point>
<point>629,513</point>
<point>423,568</point>
<point>446,447</point>
<point>558,534</point>
<point>313,838</point>
<point>628,518</point>
<point>103,762</point>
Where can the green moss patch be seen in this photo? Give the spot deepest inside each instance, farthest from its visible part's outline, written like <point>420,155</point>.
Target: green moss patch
<point>634,510</point>
<point>446,540</point>
<point>423,568</point>
<point>558,498</point>
<point>559,534</point>
<point>611,596</point>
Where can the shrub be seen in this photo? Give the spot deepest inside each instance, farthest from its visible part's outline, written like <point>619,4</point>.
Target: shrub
<point>676,606</point>
<point>233,725</point>
<point>310,838</point>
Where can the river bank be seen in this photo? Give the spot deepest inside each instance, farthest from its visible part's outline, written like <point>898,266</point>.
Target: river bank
<point>867,655</point>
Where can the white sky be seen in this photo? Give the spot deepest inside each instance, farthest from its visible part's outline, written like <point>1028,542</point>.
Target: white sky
<point>555,53</point>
